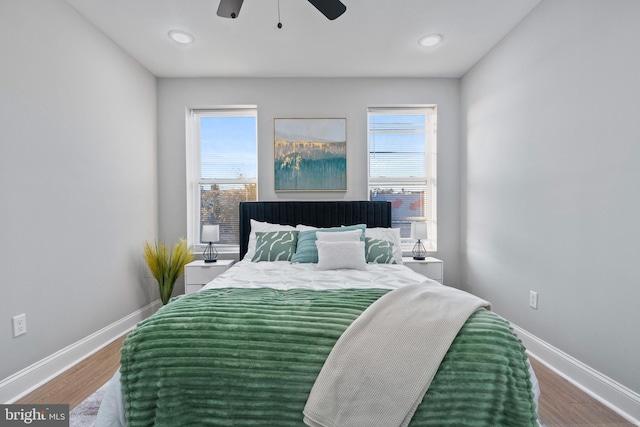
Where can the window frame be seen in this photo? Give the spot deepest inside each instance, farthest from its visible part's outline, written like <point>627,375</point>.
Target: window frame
<point>194,177</point>
<point>429,180</point>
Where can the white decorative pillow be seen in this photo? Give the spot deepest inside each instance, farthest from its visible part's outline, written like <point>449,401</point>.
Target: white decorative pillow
<point>338,255</point>
<point>340,236</point>
<point>389,234</point>
<point>265,227</point>
<point>307,251</point>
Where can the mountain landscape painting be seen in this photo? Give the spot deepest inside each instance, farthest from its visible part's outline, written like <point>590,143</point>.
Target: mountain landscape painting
<point>310,154</point>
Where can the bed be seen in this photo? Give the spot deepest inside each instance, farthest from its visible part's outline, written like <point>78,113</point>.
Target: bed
<point>320,324</point>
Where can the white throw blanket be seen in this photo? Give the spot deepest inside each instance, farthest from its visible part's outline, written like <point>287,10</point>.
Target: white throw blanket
<point>381,367</point>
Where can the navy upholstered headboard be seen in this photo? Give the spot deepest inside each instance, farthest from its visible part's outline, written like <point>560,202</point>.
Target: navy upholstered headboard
<point>318,214</point>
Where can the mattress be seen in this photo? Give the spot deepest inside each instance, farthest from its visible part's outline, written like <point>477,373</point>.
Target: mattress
<point>285,276</point>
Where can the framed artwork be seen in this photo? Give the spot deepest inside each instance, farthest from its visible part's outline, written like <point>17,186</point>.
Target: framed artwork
<point>310,154</point>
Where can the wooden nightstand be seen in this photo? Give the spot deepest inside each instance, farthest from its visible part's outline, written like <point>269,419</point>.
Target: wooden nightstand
<point>198,273</point>
<point>430,267</point>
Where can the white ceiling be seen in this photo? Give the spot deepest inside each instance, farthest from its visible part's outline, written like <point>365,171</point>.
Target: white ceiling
<point>374,38</point>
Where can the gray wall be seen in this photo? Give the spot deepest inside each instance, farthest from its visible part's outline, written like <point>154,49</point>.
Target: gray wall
<point>77,179</point>
<point>311,98</point>
<point>551,144</point>
<point>539,195</point>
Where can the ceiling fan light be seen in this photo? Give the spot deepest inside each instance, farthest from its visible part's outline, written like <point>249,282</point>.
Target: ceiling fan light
<point>430,40</point>
<point>181,37</point>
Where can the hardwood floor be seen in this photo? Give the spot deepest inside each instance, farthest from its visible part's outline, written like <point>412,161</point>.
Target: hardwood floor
<point>76,384</point>
<point>561,404</point>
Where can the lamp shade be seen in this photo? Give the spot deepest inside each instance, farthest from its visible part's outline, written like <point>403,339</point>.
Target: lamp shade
<point>210,233</point>
<point>419,230</point>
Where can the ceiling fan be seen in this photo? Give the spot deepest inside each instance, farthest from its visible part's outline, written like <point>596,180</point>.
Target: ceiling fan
<point>329,8</point>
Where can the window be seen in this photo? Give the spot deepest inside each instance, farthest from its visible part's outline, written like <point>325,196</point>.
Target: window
<point>221,170</point>
<point>402,165</point>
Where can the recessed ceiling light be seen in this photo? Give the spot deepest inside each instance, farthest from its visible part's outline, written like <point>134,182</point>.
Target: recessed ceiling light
<point>430,40</point>
<point>181,37</point>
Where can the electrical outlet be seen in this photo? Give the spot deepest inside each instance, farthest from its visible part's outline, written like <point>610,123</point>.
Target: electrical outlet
<point>533,299</point>
<point>19,325</point>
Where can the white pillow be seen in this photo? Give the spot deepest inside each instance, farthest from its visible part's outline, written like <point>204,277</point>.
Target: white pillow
<point>263,227</point>
<point>339,236</point>
<point>301,227</point>
<point>389,234</point>
<point>337,255</point>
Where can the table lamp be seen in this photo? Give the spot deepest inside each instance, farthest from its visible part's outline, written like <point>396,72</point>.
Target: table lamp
<point>419,232</point>
<point>210,234</point>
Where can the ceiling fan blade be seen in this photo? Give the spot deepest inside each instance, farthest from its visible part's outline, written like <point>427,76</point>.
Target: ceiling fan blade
<point>329,8</point>
<point>229,8</point>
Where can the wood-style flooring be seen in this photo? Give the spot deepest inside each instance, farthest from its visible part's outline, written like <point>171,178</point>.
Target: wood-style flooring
<point>561,404</point>
<point>79,382</point>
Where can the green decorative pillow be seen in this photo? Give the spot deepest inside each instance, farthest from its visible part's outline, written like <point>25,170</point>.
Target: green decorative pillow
<point>275,245</point>
<point>307,251</point>
<point>379,251</point>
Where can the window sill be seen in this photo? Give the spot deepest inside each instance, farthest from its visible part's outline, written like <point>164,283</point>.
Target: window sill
<point>224,251</point>
<point>407,249</point>
<point>233,251</point>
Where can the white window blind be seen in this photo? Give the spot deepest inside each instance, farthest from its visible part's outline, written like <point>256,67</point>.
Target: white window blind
<point>222,169</point>
<point>402,165</point>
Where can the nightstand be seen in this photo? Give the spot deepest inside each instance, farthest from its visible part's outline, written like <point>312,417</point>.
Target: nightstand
<point>199,273</point>
<point>430,267</point>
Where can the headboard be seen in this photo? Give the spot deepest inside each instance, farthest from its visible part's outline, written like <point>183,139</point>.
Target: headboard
<point>318,214</point>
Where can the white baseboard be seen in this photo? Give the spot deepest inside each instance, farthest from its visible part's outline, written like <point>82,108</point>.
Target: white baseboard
<point>25,381</point>
<point>614,395</point>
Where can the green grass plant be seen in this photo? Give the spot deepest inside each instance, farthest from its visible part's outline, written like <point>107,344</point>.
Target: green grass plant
<point>166,266</point>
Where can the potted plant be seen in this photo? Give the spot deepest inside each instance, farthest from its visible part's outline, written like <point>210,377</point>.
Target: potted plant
<point>166,266</point>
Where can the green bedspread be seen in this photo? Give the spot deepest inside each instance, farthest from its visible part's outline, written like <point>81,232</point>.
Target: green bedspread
<point>249,357</point>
